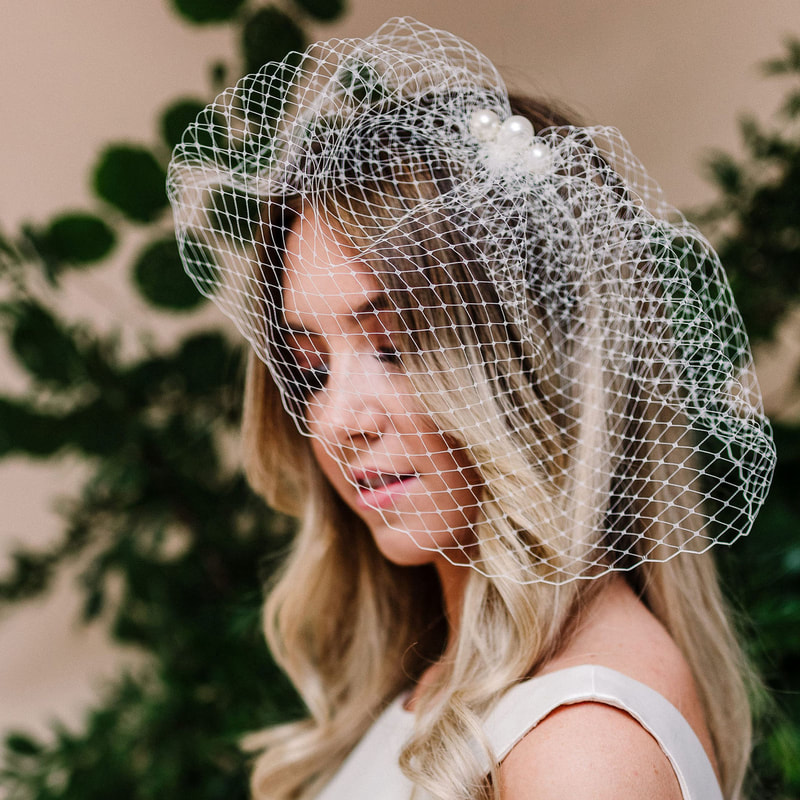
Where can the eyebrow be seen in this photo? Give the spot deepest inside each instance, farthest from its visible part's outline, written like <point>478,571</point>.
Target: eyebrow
<point>372,305</point>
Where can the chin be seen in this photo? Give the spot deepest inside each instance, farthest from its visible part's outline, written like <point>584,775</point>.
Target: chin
<point>407,548</point>
<point>400,548</point>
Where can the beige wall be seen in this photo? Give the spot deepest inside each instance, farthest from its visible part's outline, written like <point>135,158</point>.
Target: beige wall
<point>673,76</point>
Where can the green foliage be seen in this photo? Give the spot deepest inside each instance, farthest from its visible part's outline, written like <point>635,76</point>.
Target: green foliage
<point>72,240</point>
<point>27,431</point>
<point>361,82</point>
<point>757,220</point>
<point>324,10</point>
<point>46,349</point>
<point>170,545</point>
<point>178,535</point>
<point>269,35</point>
<point>79,238</point>
<point>757,215</point>
<point>176,119</point>
<point>158,275</point>
<point>203,11</point>
<point>788,63</point>
<point>131,179</point>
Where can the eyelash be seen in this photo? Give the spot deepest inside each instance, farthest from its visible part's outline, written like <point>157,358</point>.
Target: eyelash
<point>388,354</point>
<point>313,379</point>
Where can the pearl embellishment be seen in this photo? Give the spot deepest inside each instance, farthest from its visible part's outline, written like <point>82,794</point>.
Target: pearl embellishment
<point>539,158</point>
<point>515,132</point>
<point>510,145</point>
<point>484,124</point>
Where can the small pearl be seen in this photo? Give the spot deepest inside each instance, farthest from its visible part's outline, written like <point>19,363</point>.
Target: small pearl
<point>515,131</point>
<point>484,124</point>
<point>539,158</point>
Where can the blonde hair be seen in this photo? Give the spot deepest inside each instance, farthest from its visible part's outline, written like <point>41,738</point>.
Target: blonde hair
<point>352,630</point>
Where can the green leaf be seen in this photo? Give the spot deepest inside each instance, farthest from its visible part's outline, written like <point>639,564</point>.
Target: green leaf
<point>323,10</point>
<point>361,82</point>
<point>790,62</point>
<point>44,347</point>
<point>791,106</point>
<point>200,260</point>
<point>160,278</point>
<point>270,35</point>
<point>131,180</point>
<point>23,430</point>
<point>725,172</point>
<point>177,118</point>
<point>97,429</point>
<point>205,361</point>
<point>205,11</point>
<point>22,744</point>
<point>233,214</point>
<point>77,238</point>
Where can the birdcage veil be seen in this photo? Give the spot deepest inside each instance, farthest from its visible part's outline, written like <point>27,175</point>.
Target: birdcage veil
<point>571,336</point>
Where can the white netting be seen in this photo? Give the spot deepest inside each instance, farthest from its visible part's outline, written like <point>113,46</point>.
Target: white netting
<point>501,340</point>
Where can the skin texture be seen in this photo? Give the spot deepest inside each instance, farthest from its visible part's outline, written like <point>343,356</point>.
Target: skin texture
<point>363,418</point>
<point>595,751</point>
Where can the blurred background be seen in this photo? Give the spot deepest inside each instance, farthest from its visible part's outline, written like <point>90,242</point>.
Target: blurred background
<point>131,553</point>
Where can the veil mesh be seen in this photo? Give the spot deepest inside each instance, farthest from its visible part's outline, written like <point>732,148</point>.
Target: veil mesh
<point>502,342</point>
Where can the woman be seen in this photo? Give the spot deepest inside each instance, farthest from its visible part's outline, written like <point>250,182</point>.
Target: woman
<point>506,392</point>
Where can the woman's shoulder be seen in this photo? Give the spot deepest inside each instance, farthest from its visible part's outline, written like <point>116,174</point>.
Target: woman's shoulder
<point>588,750</point>
<point>594,749</point>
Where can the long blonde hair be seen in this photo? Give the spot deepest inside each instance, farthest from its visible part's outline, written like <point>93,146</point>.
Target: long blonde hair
<point>352,630</point>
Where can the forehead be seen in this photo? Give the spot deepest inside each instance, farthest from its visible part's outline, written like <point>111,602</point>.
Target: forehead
<point>323,278</point>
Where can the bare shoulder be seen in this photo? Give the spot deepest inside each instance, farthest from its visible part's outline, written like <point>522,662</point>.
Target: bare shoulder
<point>588,750</point>
<point>592,750</point>
<point>621,634</point>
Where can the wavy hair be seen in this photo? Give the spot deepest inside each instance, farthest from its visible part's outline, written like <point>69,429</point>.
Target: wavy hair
<point>352,630</point>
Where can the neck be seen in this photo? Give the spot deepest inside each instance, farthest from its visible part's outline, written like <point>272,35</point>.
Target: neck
<point>453,579</point>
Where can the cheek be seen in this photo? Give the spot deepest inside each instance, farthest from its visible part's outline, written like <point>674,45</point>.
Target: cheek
<point>460,477</point>
<point>328,465</point>
<point>332,470</point>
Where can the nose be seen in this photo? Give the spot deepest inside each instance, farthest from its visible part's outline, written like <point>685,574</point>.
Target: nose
<point>350,408</point>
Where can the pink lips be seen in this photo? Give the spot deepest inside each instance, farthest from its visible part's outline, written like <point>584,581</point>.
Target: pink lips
<point>383,495</point>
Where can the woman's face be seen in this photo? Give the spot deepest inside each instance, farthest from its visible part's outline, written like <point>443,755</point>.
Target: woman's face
<point>369,433</point>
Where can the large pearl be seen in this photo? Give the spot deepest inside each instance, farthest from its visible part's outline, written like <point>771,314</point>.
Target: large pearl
<point>540,158</point>
<point>515,132</point>
<point>484,124</point>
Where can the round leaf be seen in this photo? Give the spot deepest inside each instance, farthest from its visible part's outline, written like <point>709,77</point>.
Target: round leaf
<point>22,745</point>
<point>206,361</point>
<point>23,430</point>
<point>269,35</point>
<point>44,347</point>
<point>79,238</point>
<point>201,11</point>
<point>323,10</point>
<point>133,181</point>
<point>177,118</point>
<point>97,428</point>
<point>159,276</point>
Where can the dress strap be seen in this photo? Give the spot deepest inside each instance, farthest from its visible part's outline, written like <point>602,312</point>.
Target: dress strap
<point>528,703</point>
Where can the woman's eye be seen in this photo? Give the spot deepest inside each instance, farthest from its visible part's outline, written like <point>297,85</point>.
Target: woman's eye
<point>384,348</point>
<point>388,354</point>
<point>312,380</point>
<point>313,372</point>
<point>309,369</point>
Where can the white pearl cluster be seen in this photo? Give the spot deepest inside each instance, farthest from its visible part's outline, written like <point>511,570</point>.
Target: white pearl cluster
<point>510,143</point>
